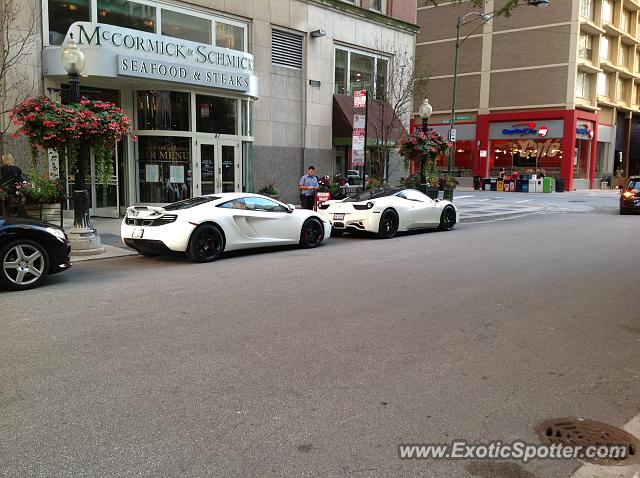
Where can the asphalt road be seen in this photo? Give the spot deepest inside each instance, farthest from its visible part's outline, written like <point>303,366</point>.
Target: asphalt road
<point>319,363</point>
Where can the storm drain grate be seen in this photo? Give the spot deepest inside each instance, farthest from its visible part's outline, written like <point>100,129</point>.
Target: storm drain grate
<point>579,432</point>
<point>576,200</point>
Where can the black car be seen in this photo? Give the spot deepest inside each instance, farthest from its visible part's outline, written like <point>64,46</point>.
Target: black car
<point>630,196</point>
<point>29,250</point>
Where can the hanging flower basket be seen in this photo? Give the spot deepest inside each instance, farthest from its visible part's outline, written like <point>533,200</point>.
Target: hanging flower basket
<point>424,146</point>
<point>48,124</point>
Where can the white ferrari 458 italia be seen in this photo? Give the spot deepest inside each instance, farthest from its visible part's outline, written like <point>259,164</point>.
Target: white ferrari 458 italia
<point>389,210</point>
<point>206,226</point>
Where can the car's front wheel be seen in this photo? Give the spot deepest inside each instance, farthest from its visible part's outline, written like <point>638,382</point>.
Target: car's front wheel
<point>388,224</point>
<point>447,219</point>
<point>312,233</point>
<point>206,244</point>
<point>24,265</point>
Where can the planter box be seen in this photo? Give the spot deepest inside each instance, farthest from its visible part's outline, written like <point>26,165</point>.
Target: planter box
<point>447,193</point>
<point>44,212</point>
<point>430,191</point>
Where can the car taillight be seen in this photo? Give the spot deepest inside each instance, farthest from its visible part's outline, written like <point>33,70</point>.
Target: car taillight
<point>323,205</point>
<point>363,207</point>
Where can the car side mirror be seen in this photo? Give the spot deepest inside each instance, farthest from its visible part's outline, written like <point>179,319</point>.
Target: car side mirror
<point>291,208</point>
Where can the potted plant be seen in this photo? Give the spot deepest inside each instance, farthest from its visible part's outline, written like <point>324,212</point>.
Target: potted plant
<point>270,191</point>
<point>450,183</point>
<point>41,196</point>
<point>425,147</point>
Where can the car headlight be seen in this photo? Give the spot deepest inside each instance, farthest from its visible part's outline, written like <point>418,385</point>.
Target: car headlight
<point>59,233</point>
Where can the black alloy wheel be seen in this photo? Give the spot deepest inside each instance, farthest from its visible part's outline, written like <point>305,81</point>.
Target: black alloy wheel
<point>447,219</point>
<point>24,265</point>
<point>389,223</point>
<point>312,233</point>
<point>206,244</point>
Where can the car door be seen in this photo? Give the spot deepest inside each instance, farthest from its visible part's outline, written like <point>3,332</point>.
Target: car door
<point>425,212</point>
<point>271,222</point>
<point>237,225</point>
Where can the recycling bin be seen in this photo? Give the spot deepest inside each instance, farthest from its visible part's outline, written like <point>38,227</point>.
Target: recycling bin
<point>477,180</point>
<point>547,184</point>
<point>486,184</point>
<point>532,185</point>
<point>494,184</point>
<point>524,185</point>
<point>560,185</point>
<point>519,185</point>
<point>500,185</point>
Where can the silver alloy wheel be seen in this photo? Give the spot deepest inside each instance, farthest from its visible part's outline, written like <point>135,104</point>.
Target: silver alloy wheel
<point>23,264</point>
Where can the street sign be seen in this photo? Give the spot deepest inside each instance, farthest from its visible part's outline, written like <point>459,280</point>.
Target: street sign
<point>360,99</point>
<point>357,157</point>
<point>452,135</point>
<point>359,121</point>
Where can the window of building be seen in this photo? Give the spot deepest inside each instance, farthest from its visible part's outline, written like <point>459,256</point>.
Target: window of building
<point>358,70</point>
<point>605,48</point>
<point>127,14</point>
<point>585,47</point>
<point>377,5</point>
<point>583,85</point>
<point>186,27</point>
<point>62,14</point>
<point>607,11</point>
<point>586,9</point>
<point>164,168</point>
<point>163,110</point>
<point>621,90</point>
<point>625,21</point>
<point>215,114</point>
<point>624,55</point>
<point>603,84</point>
<point>229,36</point>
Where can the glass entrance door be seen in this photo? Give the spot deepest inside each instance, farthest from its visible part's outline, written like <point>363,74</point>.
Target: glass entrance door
<point>220,170</point>
<point>105,198</point>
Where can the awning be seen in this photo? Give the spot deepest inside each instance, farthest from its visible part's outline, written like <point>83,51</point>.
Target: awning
<point>382,122</point>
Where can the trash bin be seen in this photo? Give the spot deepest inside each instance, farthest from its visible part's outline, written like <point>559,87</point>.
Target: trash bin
<point>547,184</point>
<point>532,185</point>
<point>494,184</point>
<point>525,186</point>
<point>486,184</point>
<point>500,185</point>
<point>507,185</point>
<point>519,185</point>
<point>477,180</point>
<point>559,185</point>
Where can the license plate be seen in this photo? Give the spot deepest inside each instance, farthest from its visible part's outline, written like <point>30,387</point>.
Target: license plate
<point>137,233</point>
<point>338,217</point>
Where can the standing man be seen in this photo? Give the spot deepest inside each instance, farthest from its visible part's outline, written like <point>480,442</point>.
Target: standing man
<point>308,187</point>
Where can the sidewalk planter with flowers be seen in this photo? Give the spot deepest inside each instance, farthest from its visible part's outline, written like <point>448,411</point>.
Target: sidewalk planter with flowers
<point>425,147</point>
<point>48,124</point>
<point>270,191</point>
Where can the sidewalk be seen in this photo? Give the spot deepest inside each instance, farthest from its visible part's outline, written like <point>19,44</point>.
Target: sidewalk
<point>109,230</point>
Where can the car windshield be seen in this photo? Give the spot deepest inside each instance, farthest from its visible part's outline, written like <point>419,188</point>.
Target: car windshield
<point>187,203</point>
<point>372,194</point>
<point>633,184</point>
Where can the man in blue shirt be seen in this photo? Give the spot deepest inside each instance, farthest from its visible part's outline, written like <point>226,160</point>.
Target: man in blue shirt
<point>308,187</point>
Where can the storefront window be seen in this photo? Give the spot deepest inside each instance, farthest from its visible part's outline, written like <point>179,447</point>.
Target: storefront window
<point>186,27</point>
<point>164,169</point>
<point>357,71</point>
<point>527,156</point>
<point>361,74</point>
<point>229,36</point>
<point>216,115</point>
<point>127,14</point>
<point>62,14</point>
<point>163,110</point>
<point>581,156</point>
<point>463,160</point>
<point>341,70</point>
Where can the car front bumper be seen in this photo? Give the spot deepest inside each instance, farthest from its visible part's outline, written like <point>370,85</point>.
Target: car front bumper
<point>631,204</point>
<point>59,259</point>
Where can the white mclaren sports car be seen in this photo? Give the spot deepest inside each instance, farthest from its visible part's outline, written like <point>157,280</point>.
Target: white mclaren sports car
<point>206,226</point>
<point>389,210</point>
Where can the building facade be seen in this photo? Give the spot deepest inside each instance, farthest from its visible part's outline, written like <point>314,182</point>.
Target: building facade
<point>549,90</point>
<point>223,95</point>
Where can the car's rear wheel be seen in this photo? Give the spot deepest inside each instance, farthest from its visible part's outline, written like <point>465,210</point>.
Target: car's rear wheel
<point>24,265</point>
<point>311,234</point>
<point>206,244</point>
<point>447,219</point>
<point>389,223</point>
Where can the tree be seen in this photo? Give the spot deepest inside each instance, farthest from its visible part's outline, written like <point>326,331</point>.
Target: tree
<point>18,45</point>
<point>405,80</point>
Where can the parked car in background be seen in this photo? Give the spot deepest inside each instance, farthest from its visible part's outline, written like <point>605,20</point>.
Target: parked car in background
<point>630,196</point>
<point>204,227</point>
<point>29,251</point>
<point>353,176</point>
<point>386,211</point>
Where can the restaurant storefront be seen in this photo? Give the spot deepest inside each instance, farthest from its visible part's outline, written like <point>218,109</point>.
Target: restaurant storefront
<point>185,79</point>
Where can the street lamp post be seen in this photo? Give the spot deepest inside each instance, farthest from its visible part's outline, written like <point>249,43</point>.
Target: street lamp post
<point>83,236</point>
<point>460,23</point>
<point>425,113</point>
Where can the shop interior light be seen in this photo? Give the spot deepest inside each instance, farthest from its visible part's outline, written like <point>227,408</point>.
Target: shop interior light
<point>72,7</point>
<point>103,13</point>
<point>148,23</point>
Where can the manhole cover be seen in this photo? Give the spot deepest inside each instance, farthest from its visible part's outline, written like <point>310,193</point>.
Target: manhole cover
<point>579,432</point>
<point>576,200</point>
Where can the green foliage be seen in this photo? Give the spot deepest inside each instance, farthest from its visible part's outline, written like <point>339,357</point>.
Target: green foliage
<point>39,189</point>
<point>269,190</point>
